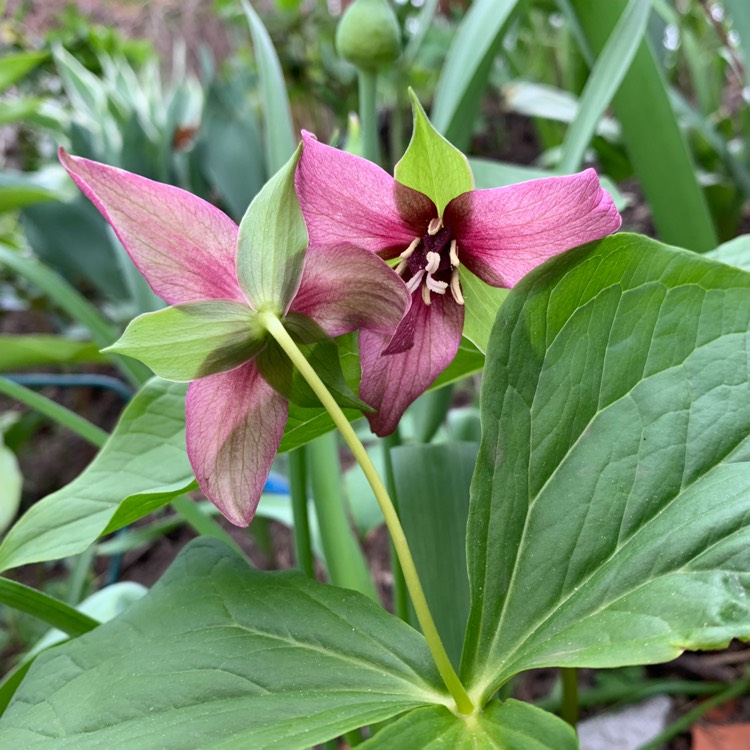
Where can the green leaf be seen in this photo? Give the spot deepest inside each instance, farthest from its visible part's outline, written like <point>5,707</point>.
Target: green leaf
<point>19,109</point>
<point>11,483</point>
<point>279,130</point>
<point>606,76</point>
<point>467,66</point>
<point>189,341</point>
<point>613,474</point>
<point>142,466</point>
<point>510,725</point>
<point>21,189</point>
<point>656,146</point>
<point>14,67</point>
<point>431,164</point>
<point>482,303</point>
<point>17,352</point>
<point>261,660</point>
<point>321,352</point>
<point>432,486</point>
<point>736,252</point>
<point>272,242</point>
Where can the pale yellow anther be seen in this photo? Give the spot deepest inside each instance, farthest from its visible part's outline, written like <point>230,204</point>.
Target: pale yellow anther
<point>434,285</point>
<point>426,295</point>
<point>434,226</point>
<point>456,288</point>
<point>409,250</point>
<point>433,262</point>
<point>454,254</point>
<point>401,267</point>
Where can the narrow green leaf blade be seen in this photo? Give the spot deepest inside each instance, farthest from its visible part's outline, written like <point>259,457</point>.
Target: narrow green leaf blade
<point>189,341</point>
<point>272,242</point>
<point>142,466</point>
<point>510,725</point>
<point>34,350</point>
<point>279,129</point>
<point>614,470</point>
<point>247,676</point>
<point>432,485</point>
<point>464,75</point>
<point>432,165</point>
<point>606,76</point>
<point>15,66</point>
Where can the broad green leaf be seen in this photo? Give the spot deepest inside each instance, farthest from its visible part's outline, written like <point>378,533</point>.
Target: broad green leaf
<point>651,133</point>
<point>279,128</point>
<point>606,76</point>
<point>17,352</point>
<point>272,242</point>
<point>15,66</point>
<point>432,486</point>
<point>736,252</point>
<point>510,725</point>
<point>467,66</point>
<point>610,511</point>
<point>142,466</point>
<point>431,164</point>
<point>482,303</point>
<point>189,341</point>
<point>221,655</point>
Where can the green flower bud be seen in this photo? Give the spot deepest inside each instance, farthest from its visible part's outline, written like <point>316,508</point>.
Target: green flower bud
<point>368,35</point>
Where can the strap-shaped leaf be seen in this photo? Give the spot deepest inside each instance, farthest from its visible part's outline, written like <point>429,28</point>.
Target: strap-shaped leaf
<point>610,516</point>
<point>221,655</point>
<point>192,340</point>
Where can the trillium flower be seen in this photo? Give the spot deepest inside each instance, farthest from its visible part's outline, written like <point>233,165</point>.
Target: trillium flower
<point>220,280</point>
<point>439,228</point>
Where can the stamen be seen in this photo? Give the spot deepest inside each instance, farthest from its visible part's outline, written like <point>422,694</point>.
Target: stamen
<point>454,254</point>
<point>426,295</point>
<point>401,267</point>
<point>409,250</point>
<point>436,286</point>
<point>456,288</point>
<point>433,262</point>
<point>434,226</point>
<point>415,281</point>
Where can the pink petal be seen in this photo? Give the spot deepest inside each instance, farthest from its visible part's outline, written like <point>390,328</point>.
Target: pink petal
<point>235,421</point>
<point>505,232</point>
<point>347,200</point>
<point>345,288</point>
<point>183,246</point>
<point>390,382</point>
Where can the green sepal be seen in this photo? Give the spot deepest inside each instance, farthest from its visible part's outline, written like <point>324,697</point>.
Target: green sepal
<point>431,164</point>
<point>192,340</point>
<point>272,242</point>
<point>482,302</point>
<point>321,352</point>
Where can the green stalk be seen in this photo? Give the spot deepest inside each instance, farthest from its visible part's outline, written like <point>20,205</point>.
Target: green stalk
<point>368,114</point>
<point>424,616</point>
<point>298,491</point>
<point>344,559</point>
<point>400,597</point>
<point>569,710</point>
<point>88,431</point>
<point>46,608</point>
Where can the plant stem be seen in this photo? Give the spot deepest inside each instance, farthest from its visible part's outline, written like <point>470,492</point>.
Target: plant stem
<point>298,491</point>
<point>54,411</point>
<point>346,564</point>
<point>569,710</point>
<point>368,114</point>
<point>463,703</point>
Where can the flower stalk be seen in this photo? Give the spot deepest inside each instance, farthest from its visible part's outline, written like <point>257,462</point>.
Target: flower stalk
<point>463,702</point>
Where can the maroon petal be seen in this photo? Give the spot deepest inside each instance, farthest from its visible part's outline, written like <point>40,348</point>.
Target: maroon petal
<point>347,200</point>
<point>235,421</point>
<point>345,288</point>
<point>183,246</point>
<point>390,382</point>
<point>505,232</point>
